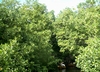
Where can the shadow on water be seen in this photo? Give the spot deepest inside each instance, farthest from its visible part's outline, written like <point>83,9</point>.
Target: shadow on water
<point>73,70</point>
<point>70,70</point>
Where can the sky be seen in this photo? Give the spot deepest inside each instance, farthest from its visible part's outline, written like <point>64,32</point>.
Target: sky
<point>58,5</point>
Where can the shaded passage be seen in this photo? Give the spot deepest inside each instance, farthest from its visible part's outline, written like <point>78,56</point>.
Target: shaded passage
<point>71,67</point>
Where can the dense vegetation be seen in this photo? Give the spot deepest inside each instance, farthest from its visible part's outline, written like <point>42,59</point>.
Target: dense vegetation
<point>34,40</point>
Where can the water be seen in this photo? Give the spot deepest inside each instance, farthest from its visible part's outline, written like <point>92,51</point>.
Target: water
<point>70,70</point>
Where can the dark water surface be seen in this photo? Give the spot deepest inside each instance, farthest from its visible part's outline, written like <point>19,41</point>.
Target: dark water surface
<point>70,70</point>
<point>73,70</point>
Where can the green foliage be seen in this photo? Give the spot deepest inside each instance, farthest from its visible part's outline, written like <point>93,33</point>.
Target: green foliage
<point>88,59</point>
<point>12,59</point>
<point>76,31</point>
<point>25,31</point>
<point>33,39</point>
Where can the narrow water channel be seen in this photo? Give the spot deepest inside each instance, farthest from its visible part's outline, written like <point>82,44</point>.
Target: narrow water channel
<point>70,70</point>
<point>73,70</point>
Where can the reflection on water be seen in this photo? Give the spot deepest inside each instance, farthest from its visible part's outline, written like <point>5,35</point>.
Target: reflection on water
<point>70,70</point>
<point>73,69</point>
<point>63,70</point>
